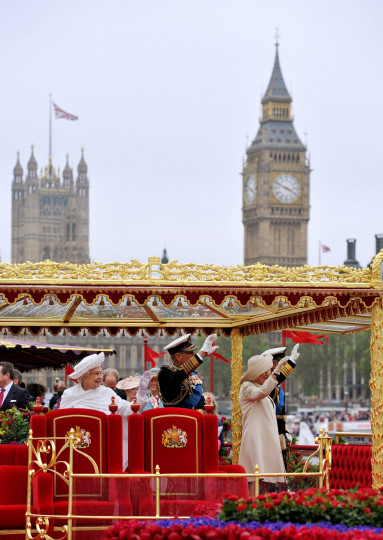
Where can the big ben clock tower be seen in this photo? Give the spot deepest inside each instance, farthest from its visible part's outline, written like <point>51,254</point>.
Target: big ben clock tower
<point>276,184</point>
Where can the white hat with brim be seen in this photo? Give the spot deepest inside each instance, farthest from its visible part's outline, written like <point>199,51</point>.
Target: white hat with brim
<point>182,344</point>
<point>256,366</point>
<point>86,364</point>
<point>274,352</point>
<point>128,383</point>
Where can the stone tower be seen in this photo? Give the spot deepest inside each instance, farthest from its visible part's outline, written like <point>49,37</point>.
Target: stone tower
<point>276,184</point>
<point>50,216</point>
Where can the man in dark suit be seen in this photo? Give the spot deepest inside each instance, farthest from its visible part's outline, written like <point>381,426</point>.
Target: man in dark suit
<point>11,395</point>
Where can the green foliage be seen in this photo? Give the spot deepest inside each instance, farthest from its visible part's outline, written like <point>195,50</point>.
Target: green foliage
<point>295,464</point>
<point>14,425</point>
<point>327,363</point>
<point>350,507</point>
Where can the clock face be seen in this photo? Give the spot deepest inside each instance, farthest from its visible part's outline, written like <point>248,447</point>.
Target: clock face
<point>250,189</point>
<point>286,188</point>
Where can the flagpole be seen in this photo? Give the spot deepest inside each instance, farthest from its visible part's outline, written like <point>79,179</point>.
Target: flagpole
<point>145,352</point>
<point>319,250</point>
<point>50,125</point>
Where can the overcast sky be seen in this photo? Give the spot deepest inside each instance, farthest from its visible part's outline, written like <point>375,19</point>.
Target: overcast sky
<point>168,94</point>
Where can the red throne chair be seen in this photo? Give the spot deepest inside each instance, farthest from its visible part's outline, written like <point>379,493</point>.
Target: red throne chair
<point>13,496</point>
<point>101,440</point>
<point>178,441</point>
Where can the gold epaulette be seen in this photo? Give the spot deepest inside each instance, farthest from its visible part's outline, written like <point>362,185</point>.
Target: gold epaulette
<point>286,370</point>
<point>190,365</point>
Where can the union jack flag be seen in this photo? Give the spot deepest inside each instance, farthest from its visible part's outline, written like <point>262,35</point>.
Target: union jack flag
<point>325,249</point>
<point>59,113</point>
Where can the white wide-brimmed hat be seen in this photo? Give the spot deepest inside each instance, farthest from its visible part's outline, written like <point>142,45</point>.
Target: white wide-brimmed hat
<point>257,365</point>
<point>86,364</point>
<point>128,383</point>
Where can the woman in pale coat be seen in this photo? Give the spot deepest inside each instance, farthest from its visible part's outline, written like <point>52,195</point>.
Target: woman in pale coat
<point>260,441</point>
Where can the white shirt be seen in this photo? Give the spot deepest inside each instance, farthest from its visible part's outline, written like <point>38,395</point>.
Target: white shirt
<point>6,390</point>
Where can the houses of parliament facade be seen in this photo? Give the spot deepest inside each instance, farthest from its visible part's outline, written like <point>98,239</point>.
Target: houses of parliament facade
<point>50,213</point>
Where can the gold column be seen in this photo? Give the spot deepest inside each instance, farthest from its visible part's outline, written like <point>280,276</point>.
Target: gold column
<point>236,374</point>
<point>376,386</point>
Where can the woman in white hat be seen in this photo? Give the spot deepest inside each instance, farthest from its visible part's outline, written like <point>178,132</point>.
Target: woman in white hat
<point>260,441</point>
<point>89,393</point>
<point>154,391</point>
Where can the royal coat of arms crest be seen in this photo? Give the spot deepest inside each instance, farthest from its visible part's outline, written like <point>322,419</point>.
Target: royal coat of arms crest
<point>82,436</point>
<point>174,438</point>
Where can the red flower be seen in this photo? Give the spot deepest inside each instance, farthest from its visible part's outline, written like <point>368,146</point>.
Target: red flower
<point>241,507</point>
<point>367,510</point>
<point>268,505</point>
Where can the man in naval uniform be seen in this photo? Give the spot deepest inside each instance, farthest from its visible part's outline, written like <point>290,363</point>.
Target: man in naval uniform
<point>278,395</point>
<point>180,386</point>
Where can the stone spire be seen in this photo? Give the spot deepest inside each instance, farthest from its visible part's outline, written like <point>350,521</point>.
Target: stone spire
<point>277,90</point>
<point>67,174</point>
<point>18,170</point>
<point>164,258</point>
<point>276,130</point>
<point>32,165</point>
<point>82,168</point>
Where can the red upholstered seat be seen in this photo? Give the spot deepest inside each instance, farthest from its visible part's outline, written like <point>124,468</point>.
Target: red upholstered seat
<point>179,441</point>
<point>102,438</point>
<point>351,466</point>
<point>13,496</point>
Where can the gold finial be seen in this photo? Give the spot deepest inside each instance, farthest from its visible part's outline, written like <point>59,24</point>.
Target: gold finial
<point>277,36</point>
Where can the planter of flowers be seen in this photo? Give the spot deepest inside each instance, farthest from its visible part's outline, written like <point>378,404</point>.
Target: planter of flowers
<point>15,424</point>
<point>311,514</point>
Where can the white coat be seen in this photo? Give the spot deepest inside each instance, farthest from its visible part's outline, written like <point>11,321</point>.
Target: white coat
<point>260,441</point>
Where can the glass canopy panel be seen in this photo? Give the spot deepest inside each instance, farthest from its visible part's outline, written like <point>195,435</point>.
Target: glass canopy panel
<point>180,309</point>
<point>109,311</point>
<point>339,328</point>
<point>45,310</point>
<point>233,309</point>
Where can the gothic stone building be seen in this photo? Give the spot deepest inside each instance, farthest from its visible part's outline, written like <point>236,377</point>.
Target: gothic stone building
<point>50,215</point>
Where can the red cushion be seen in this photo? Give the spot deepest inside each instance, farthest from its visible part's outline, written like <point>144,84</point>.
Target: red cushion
<point>12,516</point>
<point>351,466</point>
<point>13,454</point>
<point>15,478</point>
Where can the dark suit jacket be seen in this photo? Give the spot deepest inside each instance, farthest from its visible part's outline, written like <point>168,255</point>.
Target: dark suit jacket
<point>16,396</point>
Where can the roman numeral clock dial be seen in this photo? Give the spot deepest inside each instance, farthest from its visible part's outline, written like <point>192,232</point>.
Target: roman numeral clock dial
<point>250,189</point>
<point>286,188</point>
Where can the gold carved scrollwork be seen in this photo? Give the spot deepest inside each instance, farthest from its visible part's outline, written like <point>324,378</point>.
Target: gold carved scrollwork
<point>376,385</point>
<point>155,272</point>
<point>236,374</point>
